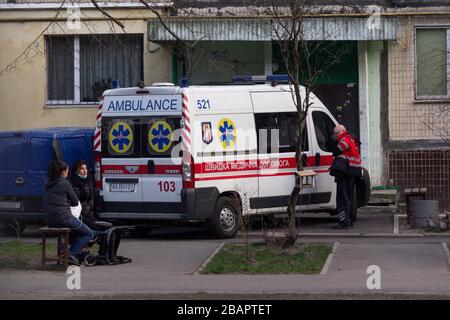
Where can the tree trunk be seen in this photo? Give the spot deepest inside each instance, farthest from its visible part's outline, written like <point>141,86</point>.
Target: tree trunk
<point>291,236</point>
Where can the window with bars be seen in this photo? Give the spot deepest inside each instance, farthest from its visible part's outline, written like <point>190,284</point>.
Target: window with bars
<point>80,68</point>
<point>432,63</point>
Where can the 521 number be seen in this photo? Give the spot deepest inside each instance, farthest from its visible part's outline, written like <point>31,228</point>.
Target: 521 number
<point>166,186</point>
<point>203,104</point>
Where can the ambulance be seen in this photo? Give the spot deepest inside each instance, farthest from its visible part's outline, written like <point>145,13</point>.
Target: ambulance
<point>166,153</point>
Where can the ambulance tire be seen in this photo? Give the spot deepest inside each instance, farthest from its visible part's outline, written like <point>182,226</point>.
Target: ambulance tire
<point>354,205</point>
<point>224,224</point>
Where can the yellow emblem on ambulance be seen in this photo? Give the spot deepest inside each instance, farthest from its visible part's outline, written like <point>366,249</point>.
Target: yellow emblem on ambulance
<point>120,137</point>
<point>160,136</point>
<point>226,131</point>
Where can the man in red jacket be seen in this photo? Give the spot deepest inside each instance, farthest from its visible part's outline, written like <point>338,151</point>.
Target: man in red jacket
<point>346,166</point>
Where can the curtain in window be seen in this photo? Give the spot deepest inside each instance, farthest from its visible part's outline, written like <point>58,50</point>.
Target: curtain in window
<point>104,58</point>
<point>431,57</point>
<point>60,77</point>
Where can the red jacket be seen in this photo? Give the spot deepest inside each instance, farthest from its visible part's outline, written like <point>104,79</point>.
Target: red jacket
<point>350,150</point>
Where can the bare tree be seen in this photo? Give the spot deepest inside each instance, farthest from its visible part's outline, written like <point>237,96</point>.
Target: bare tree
<point>288,24</point>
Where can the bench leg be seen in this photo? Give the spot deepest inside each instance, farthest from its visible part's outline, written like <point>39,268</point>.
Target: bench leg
<point>58,251</point>
<point>66,250</point>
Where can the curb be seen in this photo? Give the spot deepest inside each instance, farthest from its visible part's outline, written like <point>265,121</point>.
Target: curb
<point>208,260</point>
<point>391,235</point>
<point>352,235</point>
<point>437,235</point>
<point>330,257</point>
<point>257,235</point>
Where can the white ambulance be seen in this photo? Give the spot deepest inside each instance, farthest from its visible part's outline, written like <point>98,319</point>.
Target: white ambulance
<point>166,153</point>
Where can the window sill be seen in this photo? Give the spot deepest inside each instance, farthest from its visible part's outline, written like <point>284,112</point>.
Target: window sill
<point>70,106</point>
<point>428,101</point>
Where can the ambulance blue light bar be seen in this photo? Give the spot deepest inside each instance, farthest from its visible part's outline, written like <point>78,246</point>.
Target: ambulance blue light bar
<point>261,78</point>
<point>184,82</point>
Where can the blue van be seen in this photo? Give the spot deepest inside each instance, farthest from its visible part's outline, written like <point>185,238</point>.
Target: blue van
<point>24,159</point>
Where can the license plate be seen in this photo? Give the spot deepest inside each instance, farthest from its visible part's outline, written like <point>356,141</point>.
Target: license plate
<point>122,187</point>
<point>10,205</point>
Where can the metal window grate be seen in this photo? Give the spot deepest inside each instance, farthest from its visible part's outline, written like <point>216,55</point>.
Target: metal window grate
<point>80,68</point>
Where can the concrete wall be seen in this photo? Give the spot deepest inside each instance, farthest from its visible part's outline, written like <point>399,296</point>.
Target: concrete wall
<point>23,89</point>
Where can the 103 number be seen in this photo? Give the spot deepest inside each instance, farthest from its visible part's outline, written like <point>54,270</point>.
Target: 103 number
<point>166,186</point>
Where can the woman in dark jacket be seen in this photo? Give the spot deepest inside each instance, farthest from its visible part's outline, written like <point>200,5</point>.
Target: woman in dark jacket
<point>59,196</point>
<point>84,188</point>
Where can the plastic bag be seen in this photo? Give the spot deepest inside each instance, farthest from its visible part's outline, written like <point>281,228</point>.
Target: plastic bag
<point>76,211</point>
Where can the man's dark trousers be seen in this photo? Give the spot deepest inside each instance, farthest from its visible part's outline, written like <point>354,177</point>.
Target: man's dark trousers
<point>345,185</point>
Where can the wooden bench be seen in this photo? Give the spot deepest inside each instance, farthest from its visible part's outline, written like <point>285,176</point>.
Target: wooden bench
<point>62,250</point>
<point>418,193</point>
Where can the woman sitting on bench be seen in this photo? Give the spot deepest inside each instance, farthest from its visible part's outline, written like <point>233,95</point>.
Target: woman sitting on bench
<point>59,196</point>
<point>105,234</point>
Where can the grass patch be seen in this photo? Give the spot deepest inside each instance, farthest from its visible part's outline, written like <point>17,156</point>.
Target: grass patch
<point>19,255</point>
<point>305,258</point>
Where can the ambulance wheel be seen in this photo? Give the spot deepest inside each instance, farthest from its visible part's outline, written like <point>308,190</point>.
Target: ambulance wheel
<point>224,224</point>
<point>354,205</point>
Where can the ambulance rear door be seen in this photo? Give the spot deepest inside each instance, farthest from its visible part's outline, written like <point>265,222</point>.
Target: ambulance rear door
<point>121,134</point>
<point>161,153</point>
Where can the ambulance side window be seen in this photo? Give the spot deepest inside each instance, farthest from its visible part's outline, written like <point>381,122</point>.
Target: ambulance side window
<point>265,123</point>
<point>159,136</point>
<point>121,137</point>
<point>286,124</point>
<point>324,127</point>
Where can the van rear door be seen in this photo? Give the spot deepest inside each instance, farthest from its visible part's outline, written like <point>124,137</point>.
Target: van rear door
<point>13,186</point>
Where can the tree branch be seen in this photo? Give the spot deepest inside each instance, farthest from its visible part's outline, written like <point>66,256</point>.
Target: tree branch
<point>120,24</point>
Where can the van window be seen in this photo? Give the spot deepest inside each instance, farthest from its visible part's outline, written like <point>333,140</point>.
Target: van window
<point>121,137</point>
<point>324,127</point>
<point>286,123</point>
<point>159,136</point>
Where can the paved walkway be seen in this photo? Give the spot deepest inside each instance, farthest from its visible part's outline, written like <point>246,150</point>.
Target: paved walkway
<point>168,267</point>
<point>165,263</point>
